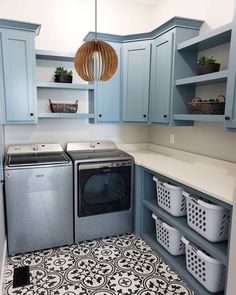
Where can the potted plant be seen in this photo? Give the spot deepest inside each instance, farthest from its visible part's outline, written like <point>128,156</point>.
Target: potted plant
<point>206,65</point>
<point>62,75</point>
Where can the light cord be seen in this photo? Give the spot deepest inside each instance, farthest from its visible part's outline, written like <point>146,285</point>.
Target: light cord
<point>95,19</point>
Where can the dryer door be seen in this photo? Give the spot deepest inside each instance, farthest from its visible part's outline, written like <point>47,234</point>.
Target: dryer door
<point>104,188</point>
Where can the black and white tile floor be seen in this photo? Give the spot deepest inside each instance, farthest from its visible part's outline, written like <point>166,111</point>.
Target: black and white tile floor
<point>117,265</point>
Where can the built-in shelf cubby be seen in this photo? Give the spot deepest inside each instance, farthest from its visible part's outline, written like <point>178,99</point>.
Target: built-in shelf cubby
<point>189,85</point>
<point>47,62</point>
<point>146,194</point>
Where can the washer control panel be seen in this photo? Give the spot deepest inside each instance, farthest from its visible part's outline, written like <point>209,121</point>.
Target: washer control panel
<point>34,148</point>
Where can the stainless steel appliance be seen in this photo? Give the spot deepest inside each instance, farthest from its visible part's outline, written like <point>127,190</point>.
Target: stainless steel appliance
<point>39,197</point>
<point>103,177</point>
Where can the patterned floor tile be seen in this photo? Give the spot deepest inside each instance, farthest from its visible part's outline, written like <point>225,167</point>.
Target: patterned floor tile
<point>116,265</point>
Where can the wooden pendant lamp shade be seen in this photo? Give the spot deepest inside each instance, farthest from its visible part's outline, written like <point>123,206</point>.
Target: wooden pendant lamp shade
<point>96,60</point>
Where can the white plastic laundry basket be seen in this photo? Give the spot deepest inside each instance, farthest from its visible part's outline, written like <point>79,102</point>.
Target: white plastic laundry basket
<point>211,221</point>
<point>207,270</point>
<point>170,198</point>
<point>169,237</point>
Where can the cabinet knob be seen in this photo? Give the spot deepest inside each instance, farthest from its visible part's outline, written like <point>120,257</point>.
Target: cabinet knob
<point>100,115</point>
<point>165,116</point>
<point>31,114</point>
<point>144,116</point>
<point>227,118</point>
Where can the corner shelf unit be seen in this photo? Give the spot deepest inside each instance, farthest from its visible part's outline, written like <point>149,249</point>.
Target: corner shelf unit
<point>186,83</point>
<point>48,56</point>
<point>146,203</point>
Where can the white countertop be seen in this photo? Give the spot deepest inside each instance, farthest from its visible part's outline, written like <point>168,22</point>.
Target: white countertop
<point>211,176</point>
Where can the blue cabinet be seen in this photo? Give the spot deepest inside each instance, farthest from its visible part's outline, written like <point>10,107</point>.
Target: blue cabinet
<point>18,73</point>
<point>108,94</point>
<point>136,72</point>
<point>161,78</point>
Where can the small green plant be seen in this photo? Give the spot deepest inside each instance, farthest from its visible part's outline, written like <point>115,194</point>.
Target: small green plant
<point>203,60</point>
<point>60,71</point>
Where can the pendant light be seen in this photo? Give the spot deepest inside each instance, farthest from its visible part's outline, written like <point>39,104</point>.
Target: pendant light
<point>96,59</point>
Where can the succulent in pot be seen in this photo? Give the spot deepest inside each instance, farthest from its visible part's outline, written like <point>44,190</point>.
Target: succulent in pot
<point>207,65</point>
<point>62,75</point>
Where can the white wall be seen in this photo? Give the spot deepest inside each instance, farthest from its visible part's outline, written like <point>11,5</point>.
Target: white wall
<point>214,13</point>
<point>64,24</point>
<point>203,138</point>
<point>51,130</point>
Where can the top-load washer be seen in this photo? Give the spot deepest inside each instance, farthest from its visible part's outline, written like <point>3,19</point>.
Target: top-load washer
<point>103,198</point>
<point>39,197</point>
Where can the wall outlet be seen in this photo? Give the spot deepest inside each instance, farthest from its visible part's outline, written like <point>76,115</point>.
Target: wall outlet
<point>172,138</point>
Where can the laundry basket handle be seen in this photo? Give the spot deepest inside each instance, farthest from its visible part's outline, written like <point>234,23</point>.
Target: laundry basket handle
<point>164,184</point>
<point>157,219</point>
<point>186,242</point>
<point>187,195</point>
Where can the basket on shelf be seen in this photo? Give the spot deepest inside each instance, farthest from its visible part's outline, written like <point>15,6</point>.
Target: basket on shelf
<point>207,107</point>
<point>169,237</point>
<point>206,269</point>
<point>209,220</point>
<point>63,107</point>
<point>170,198</point>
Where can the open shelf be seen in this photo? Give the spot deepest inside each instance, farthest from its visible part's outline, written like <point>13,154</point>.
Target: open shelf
<point>177,263</point>
<point>66,115</point>
<point>217,250</point>
<point>54,55</point>
<point>212,78</point>
<point>198,117</point>
<point>214,38</point>
<point>54,85</point>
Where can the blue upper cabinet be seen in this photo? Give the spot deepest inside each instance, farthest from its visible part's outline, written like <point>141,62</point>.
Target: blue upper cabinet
<point>161,78</point>
<point>109,94</point>
<point>136,71</point>
<point>18,71</point>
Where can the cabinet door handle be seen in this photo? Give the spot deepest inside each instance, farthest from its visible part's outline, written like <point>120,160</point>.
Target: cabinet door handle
<point>165,116</point>
<point>31,114</point>
<point>100,115</point>
<point>144,116</point>
<point>227,118</point>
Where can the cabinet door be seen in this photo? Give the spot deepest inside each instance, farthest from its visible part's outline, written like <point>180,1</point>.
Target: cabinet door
<point>19,76</point>
<point>161,78</point>
<point>136,68</point>
<point>109,95</point>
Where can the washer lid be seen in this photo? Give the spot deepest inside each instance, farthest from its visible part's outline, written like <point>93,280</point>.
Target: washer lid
<point>37,159</point>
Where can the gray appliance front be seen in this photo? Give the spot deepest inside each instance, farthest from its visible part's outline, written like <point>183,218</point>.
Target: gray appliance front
<point>39,202</point>
<point>100,225</point>
<point>104,225</point>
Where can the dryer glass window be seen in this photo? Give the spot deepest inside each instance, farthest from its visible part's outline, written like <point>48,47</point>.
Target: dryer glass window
<point>104,189</point>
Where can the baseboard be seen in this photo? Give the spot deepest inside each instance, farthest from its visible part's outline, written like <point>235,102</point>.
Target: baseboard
<point>2,268</point>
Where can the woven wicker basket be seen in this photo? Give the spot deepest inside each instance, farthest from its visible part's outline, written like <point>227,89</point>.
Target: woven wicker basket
<point>197,106</point>
<point>63,107</point>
